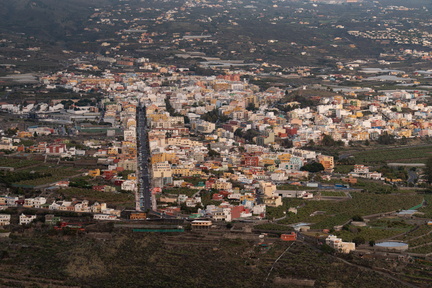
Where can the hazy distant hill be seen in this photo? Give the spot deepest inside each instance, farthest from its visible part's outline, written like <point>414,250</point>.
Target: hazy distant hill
<point>47,19</point>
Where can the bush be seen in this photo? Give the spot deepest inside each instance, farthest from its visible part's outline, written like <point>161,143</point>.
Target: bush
<point>357,218</point>
<point>358,240</point>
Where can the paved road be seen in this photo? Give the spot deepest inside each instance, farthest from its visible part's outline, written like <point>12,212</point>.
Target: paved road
<point>144,201</point>
<point>412,177</point>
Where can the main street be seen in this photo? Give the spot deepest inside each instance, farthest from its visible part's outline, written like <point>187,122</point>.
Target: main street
<point>144,198</point>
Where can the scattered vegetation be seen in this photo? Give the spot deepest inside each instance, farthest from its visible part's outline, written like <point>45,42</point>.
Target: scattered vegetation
<point>338,213</point>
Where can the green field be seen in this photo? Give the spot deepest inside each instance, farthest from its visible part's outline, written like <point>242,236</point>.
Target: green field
<point>333,193</point>
<point>427,209</point>
<point>369,234</point>
<point>177,191</point>
<point>17,163</point>
<point>57,174</point>
<point>338,213</point>
<point>117,199</point>
<point>343,169</point>
<point>403,155</point>
<point>274,227</point>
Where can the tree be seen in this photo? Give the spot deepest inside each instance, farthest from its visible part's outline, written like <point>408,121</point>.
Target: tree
<point>312,167</point>
<point>386,139</point>
<point>238,132</point>
<point>251,107</point>
<point>286,143</point>
<point>357,218</point>
<point>328,141</point>
<point>359,240</point>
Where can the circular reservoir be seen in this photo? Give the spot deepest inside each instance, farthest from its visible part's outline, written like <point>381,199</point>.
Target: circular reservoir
<point>392,246</point>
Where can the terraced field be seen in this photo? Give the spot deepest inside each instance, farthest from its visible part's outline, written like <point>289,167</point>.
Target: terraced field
<point>387,155</point>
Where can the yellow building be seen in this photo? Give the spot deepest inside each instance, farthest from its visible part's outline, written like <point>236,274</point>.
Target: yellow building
<point>405,132</point>
<point>267,188</point>
<point>112,151</point>
<point>94,173</point>
<point>185,172</point>
<point>162,157</point>
<point>247,197</point>
<point>327,162</point>
<point>274,201</point>
<point>24,134</point>
<point>264,162</point>
<point>162,170</point>
<point>284,157</point>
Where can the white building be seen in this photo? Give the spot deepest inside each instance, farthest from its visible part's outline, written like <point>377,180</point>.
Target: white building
<point>26,219</point>
<point>340,246</point>
<point>34,202</point>
<point>5,219</point>
<point>104,217</point>
<point>129,185</point>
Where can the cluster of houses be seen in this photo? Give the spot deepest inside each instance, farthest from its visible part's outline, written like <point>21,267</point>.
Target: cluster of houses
<point>221,130</point>
<point>5,219</point>
<point>100,211</point>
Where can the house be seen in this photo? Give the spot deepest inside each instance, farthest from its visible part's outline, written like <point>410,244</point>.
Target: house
<point>201,224</point>
<point>26,219</point>
<point>274,201</point>
<point>64,184</point>
<point>12,201</point>
<point>94,173</point>
<point>104,217</point>
<point>51,219</point>
<point>223,214</point>
<point>289,237</point>
<point>129,185</point>
<point>82,206</point>
<point>290,193</point>
<point>56,149</point>
<point>97,207</point>
<point>138,216</point>
<point>259,209</point>
<point>34,202</point>
<point>267,188</point>
<point>340,246</point>
<point>5,219</point>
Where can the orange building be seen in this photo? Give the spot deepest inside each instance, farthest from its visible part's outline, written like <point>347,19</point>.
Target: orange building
<point>289,237</point>
<point>138,216</point>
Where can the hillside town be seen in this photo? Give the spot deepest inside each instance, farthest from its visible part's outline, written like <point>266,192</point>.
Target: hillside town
<point>273,143</point>
<point>219,146</point>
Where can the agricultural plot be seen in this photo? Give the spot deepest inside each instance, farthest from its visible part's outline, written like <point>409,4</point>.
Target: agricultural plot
<point>376,230</point>
<point>415,233</point>
<point>338,213</point>
<point>426,249</point>
<point>419,239</point>
<point>177,191</point>
<point>274,227</point>
<point>402,155</point>
<point>369,234</point>
<point>119,199</point>
<point>427,209</point>
<point>52,175</point>
<point>333,193</point>
<point>343,169</point>
<point>16,163</point>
